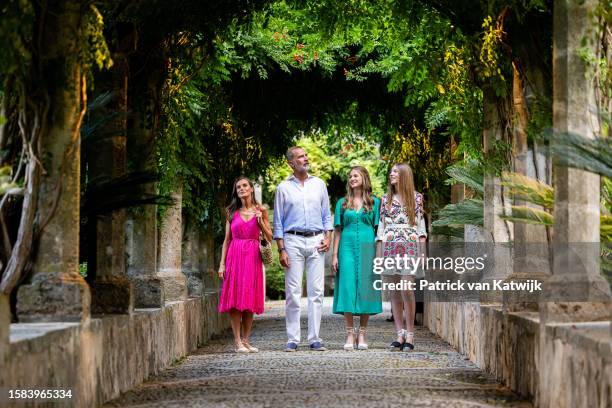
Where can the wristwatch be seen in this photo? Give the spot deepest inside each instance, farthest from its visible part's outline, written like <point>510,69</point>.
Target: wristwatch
<point>281,250</point>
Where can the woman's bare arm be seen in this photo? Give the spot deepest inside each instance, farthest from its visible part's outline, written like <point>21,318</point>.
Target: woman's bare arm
<point>264,224</point>
<point>226,242</point>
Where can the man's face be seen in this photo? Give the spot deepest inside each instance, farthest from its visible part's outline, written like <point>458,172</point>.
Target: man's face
<point>299,163</point>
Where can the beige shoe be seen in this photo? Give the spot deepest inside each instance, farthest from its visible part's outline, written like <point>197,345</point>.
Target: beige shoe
<point>350,333</point>
<point>362,345</point>
<point>250,348</point>
<point>240,348</point>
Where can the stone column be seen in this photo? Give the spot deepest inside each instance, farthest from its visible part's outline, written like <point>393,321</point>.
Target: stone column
<point>141,248</point>
<point>530,260</point>
<point>170,242</point>
<point>497,235</point>
<point>112,291</point>
<point>5,327</point>
<point>576,290</point>
<point>57,292</point>
<point>141,225</point>
<point>191,258</point>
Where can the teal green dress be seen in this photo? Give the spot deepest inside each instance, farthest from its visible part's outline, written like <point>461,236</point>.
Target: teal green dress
<point>353,290</point>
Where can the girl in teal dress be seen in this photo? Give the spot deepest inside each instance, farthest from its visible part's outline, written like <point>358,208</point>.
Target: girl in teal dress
<point>355,221</point>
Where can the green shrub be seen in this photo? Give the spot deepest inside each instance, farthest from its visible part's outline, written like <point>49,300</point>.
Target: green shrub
<point>275,277</point>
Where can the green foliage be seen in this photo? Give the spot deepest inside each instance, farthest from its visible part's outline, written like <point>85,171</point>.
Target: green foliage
<point>525,188</point>
<point>330,157</point>
<point>529,215</point>
<point>469,212</point>
<point>574,150</point>
<point>83,269</point>
<point>469,172</point>
<point>6,184</point>
<point>275,277</point>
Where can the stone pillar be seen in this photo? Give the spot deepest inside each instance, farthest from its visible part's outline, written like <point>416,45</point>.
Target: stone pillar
<point>141,225</point>
<point>497,235</point>
<point>531,252</point>
<point>112,291</point>
<point>5,327</point>
<point>576,291</point>
<point>191,258</point>
<point>141,249</point>
<point>170,242</point>
<point>57,292</point>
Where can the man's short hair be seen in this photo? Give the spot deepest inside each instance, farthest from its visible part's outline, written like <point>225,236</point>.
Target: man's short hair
<point>289,154</point>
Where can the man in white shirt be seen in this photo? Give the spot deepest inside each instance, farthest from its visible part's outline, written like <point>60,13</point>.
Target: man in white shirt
<point>302,229</point>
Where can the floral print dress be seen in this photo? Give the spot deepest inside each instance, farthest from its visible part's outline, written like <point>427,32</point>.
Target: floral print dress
<point>398,236</point>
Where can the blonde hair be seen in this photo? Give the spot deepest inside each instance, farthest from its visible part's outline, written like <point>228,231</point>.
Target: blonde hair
<point>405,190</point>
<point>366,188</point>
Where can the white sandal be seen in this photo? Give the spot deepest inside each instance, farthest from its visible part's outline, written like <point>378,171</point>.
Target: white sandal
<point>362,346</point>
<point>240,348</point>
<point>250,348</point>
<point>349,346</point>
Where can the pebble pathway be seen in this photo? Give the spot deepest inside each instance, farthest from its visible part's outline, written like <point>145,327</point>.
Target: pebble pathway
<point>433,375</point>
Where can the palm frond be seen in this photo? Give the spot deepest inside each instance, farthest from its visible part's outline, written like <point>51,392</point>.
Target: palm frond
<point>469,173</point>
<point>529,215</point>
<point>106,195</point>
<point>578,151</point>
<point>605,228</point>
<point>529,189</point>
<point>465,212</point>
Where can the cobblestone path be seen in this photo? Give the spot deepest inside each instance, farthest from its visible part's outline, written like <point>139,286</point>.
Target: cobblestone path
<point>433,375</point>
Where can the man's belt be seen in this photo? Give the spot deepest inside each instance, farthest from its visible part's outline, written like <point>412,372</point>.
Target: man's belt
<point>304,234</point>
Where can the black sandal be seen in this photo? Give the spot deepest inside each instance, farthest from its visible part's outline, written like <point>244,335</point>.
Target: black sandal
<point>408,344</point>
<point>396,345</point>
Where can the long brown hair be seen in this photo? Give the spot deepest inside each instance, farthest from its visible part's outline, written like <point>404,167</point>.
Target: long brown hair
<point>366,188</point>
<point>235,201</point>
<point>405,190</point>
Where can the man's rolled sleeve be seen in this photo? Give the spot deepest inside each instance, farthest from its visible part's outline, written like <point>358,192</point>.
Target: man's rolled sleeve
<point>326,213</point>
<point>278,215</point>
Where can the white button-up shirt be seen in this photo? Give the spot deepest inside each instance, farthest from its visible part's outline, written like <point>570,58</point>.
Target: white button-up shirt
<point>300,207</point>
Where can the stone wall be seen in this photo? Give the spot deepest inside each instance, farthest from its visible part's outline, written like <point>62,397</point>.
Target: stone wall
<point>568,365</point>
<point>103,357</point>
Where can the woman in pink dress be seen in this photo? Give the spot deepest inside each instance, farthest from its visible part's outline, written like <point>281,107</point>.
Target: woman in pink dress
<point>241,268</point>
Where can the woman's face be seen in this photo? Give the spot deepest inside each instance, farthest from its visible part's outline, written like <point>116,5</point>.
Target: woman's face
<point>355,179</point>
<point>394,176</point>
<point>243,188</point>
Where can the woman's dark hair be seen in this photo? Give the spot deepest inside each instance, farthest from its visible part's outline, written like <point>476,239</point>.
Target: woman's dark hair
<point>235,201</point>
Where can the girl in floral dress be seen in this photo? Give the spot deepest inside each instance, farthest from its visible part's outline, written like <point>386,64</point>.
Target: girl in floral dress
<point>401,232</point>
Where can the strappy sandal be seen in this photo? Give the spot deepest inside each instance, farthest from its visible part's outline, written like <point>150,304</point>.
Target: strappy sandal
<point>396,345</point>
<point>349,346</point>
<point>409,342</point>
<point>249,347</point>
<point>240,348</point>
<point>364,345</point>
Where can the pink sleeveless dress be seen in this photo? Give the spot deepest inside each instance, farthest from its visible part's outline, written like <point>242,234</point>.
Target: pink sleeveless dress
<point>243,281</point>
